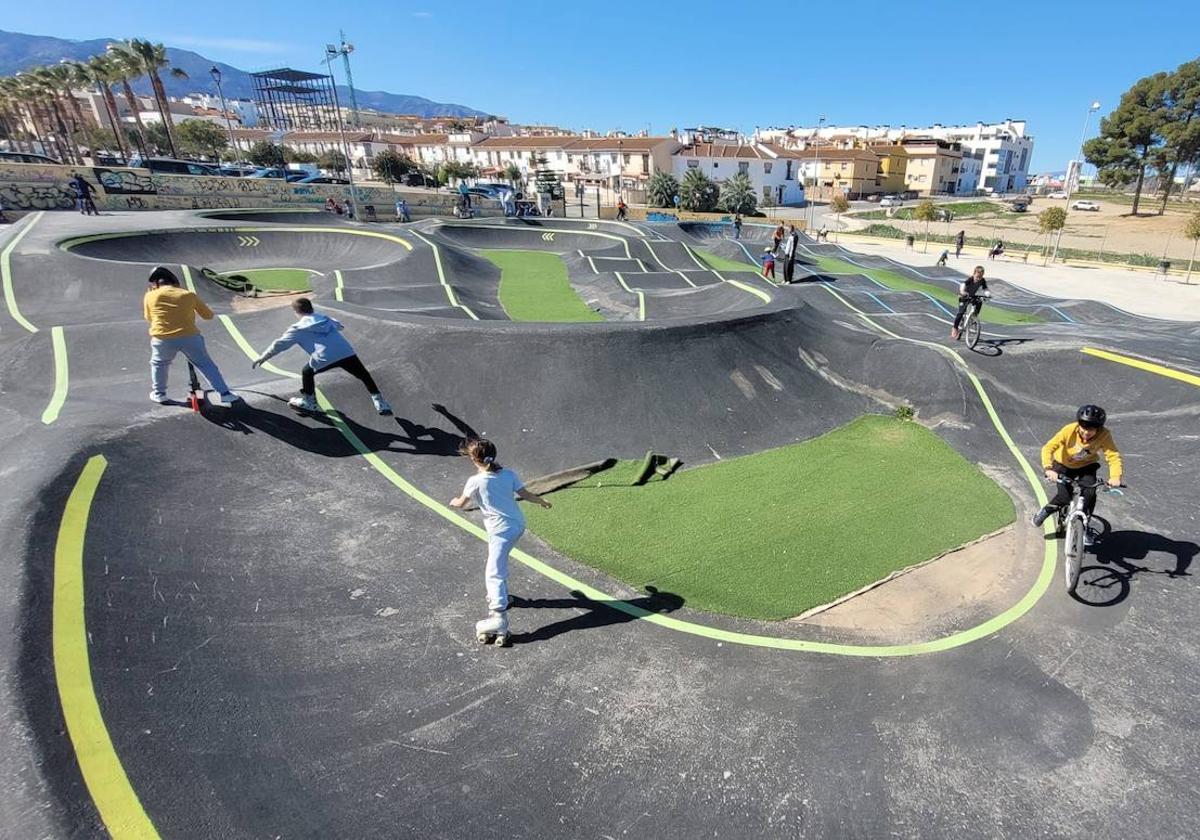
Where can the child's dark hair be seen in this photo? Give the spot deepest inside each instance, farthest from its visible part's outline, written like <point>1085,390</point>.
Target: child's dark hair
<point>481,451</point>
<point>303,306</point>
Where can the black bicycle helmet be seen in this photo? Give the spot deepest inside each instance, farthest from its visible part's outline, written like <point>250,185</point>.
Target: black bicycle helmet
<point>1091,416</point>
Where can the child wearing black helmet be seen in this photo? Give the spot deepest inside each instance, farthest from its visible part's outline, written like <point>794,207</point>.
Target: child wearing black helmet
<point>1075,452</point>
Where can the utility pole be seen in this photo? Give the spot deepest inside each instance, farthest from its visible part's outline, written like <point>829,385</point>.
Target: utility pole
<point>345,50</point>
<point>330,54</point>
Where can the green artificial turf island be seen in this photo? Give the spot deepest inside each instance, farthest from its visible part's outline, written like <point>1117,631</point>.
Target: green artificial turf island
<point>722,263</point>
<point>277,279</point>
<point>534,287</point>
<point>990,314</point>
<point>773,534</point>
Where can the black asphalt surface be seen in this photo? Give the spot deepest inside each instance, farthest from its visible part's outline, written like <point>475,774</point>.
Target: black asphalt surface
<point>281,641</point>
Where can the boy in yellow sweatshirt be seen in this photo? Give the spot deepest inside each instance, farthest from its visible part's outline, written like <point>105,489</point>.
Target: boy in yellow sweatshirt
<point>1075,452</point>
<point>171,312</point>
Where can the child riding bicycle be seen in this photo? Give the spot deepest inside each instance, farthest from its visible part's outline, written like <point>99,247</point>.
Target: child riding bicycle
<point>1075,453</point>
<point>971,292</point>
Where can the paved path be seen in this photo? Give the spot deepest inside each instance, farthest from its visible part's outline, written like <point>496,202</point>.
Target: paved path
<point>1140,292</point>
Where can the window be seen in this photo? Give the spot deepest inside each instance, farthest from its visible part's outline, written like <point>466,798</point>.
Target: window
<point>693,164</point>
<point>766,168</point>
<point>743,167</point>
<point>715,164</point>
<point>625,159</point>
<point>646,164</point>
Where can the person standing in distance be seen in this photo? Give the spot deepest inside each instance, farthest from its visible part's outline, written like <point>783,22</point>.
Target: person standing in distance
<point>321,337</point>
<point>171,313</point>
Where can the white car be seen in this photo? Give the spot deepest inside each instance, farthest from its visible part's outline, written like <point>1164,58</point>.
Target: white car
<point>1085,205</point>
<point>890,201</point>
<point>1059,194</point>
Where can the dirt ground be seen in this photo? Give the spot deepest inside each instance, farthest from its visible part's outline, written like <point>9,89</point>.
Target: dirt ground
<point>1111,229</point>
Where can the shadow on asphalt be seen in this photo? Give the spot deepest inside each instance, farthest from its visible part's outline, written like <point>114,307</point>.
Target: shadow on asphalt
<point>1110,584</point>
<point>599,613</point>
<point>995,346</point>
<point>295,429</point>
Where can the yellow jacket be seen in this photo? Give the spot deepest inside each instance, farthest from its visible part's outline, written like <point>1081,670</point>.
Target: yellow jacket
<point>172,312</point>
<point>1068,449</point>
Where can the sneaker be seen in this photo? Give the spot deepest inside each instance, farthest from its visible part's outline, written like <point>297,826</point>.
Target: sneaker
<point>231,398</point>
<point>161,399</point>
<point>954,333</point>
<point>304,402</point>
<point>1040,517</point>
<point>381,405</point>
<point>1089,539</point>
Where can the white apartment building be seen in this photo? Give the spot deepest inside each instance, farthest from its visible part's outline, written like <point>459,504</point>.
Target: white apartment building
<point>995,155</point>
<point>776,173</point>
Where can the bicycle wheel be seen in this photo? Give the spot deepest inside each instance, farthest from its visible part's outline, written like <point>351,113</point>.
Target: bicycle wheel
<point>1073,551</point>
<point>972,330</point>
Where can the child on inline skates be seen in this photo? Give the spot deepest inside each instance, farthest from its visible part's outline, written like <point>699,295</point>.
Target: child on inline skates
<point>496,490</point>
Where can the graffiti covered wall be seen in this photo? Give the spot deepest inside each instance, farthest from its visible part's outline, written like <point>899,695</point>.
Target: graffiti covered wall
<point>29,187</point>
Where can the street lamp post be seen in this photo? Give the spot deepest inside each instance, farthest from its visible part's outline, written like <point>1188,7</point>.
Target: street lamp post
<point>1087,118</point>
<point>812,209</point>
<point>331,53</point>
<point>215,72</point>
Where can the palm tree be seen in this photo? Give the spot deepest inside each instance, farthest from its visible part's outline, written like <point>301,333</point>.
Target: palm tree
<point>11,114</point>
<point>104,73</point>
<point>36,96</point>
<point>124,68</point>
<point>698,192</point>
<point>149,58</point>
<point>661,189</point>
<point>65,78</point>
<point>19,93</point>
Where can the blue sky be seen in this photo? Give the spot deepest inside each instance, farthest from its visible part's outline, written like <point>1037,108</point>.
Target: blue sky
<point>632,65</point>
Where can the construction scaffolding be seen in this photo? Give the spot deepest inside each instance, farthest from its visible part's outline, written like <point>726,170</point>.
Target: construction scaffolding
<point>294,100</point>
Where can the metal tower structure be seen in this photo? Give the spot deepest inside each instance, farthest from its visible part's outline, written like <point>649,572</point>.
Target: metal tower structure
<point>345,50</point>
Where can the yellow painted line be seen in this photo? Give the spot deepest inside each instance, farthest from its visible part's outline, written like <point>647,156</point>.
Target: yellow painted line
<point>1141,364</point>
<point>10,298</point>
<point>954,640</point>
<point>641,296</point>
<point>337,289</point>
<point>61,376</point>
<point>115,799</point>
<point>437,262</point>
<point>766,298</point>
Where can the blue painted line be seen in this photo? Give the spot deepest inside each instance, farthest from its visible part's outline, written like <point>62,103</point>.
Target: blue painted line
<point>749,256</point>
<point>1064,315</point>
<point>875,298</point>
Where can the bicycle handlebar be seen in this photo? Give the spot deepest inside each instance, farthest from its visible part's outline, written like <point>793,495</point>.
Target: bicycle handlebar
<point>1098,484</point>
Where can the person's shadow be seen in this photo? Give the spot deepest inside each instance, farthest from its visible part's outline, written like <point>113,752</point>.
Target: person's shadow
<point>1110,584</point>
<point>599,613</point>
<point>995,346</point>
<point>326,439</point>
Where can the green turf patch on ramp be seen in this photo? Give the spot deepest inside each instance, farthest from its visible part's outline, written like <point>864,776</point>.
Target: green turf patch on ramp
<point>534,287</point>
<point>771,535</point>
<point>716,261</point>
<point>277,279</point>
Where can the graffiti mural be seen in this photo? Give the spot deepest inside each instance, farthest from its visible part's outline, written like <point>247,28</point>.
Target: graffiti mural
<point>37,197</point>
<point>125,182</point>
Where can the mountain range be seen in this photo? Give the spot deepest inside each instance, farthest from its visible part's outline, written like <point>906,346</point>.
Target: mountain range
<point>19,51</point>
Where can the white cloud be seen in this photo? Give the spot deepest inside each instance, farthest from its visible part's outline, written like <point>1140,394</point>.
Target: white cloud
<point>248,45</point>
<point>422,14</point>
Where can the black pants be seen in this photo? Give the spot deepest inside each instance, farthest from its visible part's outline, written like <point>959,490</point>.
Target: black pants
<point>789,268</point>
<point>1062,497</point>
<point>351,364</point>
<point>963,303</point>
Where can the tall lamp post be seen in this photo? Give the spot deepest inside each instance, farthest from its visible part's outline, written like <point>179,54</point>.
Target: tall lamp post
<point>1087,118</point>
<point>215,72</point>
<point>812,208</point>
<point>332,52</point>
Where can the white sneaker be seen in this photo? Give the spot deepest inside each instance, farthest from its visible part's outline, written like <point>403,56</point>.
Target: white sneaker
<point>381,405</point>
<point>161,399</point>
<point>304,402</point>
<point>1089,539</point>
<point>231,398</point>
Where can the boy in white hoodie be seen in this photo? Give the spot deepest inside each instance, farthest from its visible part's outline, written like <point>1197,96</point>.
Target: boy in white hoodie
<point>320,336</point>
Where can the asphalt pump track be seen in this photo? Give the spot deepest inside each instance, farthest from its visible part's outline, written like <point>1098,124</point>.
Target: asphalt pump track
<point>249,623</point>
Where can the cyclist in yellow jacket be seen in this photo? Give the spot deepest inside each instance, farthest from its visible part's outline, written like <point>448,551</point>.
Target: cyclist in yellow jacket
<point>1074,452</point>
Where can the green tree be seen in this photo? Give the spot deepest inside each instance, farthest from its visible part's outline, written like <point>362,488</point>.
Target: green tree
<point>697,192</point>
<point>1192,231</point>
<point>296,156</point>
<point>839,204</point>
<point>661,189</point>
<point>146,58</point>
<point>332,160</point>
<point>200,137</point>
<point>512,173</point>
<point>1130,136</point>
<point>1050,221</point>
<point>1181,126</point>
<point>263,153</point>
<point>160,141</point>
<point>391,167</point>
<point>737,195</point>
<point>124,68</point>
<point>545,179</point>
<point>926,212</point>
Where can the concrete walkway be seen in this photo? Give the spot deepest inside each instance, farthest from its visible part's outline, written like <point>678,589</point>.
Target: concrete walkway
<point>1142,293</point>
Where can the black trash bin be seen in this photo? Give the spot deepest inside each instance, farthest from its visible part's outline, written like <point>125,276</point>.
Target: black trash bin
<point>1164,266</point>
<point>909,240</point>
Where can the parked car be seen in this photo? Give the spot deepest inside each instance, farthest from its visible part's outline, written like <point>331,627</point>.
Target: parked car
<point>909,195</point>
<point>891,201</point>
<point>268,172</point>
<point>296,177</point>
<point>25,157</point>
<point>318,178</point>
<point>1085,205</point>
<point>1056,194</point>
<point>1019,206</point>
<point>173,166</point>
<point>235,171</point>
<point>874,197</point>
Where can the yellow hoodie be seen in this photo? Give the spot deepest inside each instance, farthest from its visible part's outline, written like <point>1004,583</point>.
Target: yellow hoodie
<point>1071,451</point>
<point>172,312</point>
